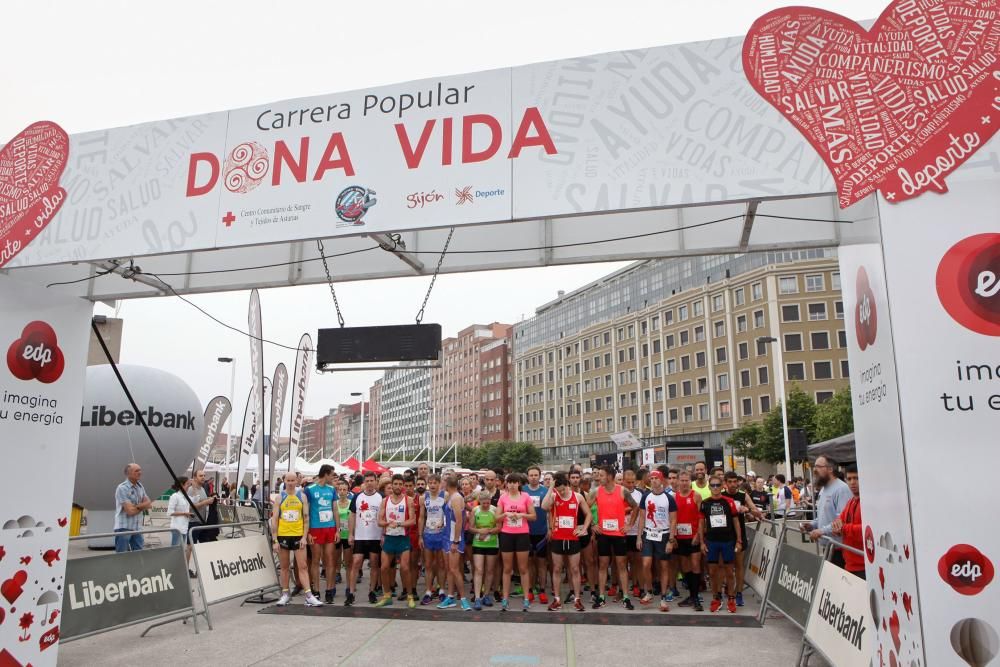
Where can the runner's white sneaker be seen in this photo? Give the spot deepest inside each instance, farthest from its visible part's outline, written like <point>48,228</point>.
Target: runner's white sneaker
<point>284,599</point>
<point>313,601</point>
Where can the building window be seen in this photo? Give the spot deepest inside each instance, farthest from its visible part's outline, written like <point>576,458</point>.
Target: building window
<point>671,391</point>
<point>822,370</point>
<point>656,346</point>
<point>703,412</point>
<point>699,360</point>
<point>793,342</point>
<point>788,284</point>
<point>741,323</point>
<point>838,308</point>
<point>722,381</point>
<point>717,303</point>
<point>757,291</point>
<point>842,339</point>
<point>725,412</point>
<point>682,313</point>
<point>835,281</point>
<point>765,404</point>
<point>761,348</point>
<point>699,334</point>
<point>743,349</point>
<point>815,283</point>
<point>762,375</point>
<point>685,337</point>
<point>673,415</point>
<point>745,377</point>
<point>688,413</point>
<point>697,308</point>
<point>739,297</point>
<point>719,329</point>
<point>607,337</point>
<point>720,355</point>
<point>819,340</point>
<point>686,388</point>
<point>669,341</point>
<point>671,366</point>
<point>668,317</point>
<point>844,369</point>
<point>790,313</point>
<point>796,371</point>
<point>655,323</point>
<point>702,385</point>
<point>758,319</point>
<point>823,396</point>
<point>747,407</point>
<point>817,311</point>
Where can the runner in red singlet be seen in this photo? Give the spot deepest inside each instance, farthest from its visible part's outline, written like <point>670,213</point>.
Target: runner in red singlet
<point>688,545</point>
<point>564,505</point>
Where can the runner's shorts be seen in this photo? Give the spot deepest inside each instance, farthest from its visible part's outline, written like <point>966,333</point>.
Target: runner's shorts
<point>290,543</point>
<point>535,541</point>
<point>367,548</point>
<point>631,542</point>
<point>608,545</point>
<point>396,545</point>
<point>686,548</point>
<point>485,551</point>
<point>725,549</point>
<point>324,535</point>
<point>515,542</point>
<point>564,547</point>
<point>344,544</point>
<point>435,541</point>
<point>656,550</point>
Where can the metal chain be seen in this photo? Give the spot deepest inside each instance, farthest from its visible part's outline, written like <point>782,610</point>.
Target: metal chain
<point>444,251</point>
<point>329,280</point>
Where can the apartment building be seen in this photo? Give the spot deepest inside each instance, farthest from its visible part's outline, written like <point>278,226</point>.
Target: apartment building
<point>405,414</point>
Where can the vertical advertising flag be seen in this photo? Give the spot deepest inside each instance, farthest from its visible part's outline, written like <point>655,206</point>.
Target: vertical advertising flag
<point>303,366</point>
<point>216,415</point>
<point>255,327</point>
<point>247,439</point>
<point>279,389</point>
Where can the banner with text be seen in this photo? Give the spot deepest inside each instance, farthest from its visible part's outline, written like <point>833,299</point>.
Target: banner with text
<point>303,369</point>
<point>234,567</point>
<point>761,562</point>
<point>44,339</point>
<point>279,390</point>
<point>793,583</point>
<point>839,623</point>
<point>216,415</point>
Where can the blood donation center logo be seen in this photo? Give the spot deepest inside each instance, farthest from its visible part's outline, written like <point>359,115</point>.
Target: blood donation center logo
<point>865,313</point>
<point>966,569</point>
<point>968,283</point>
<point>352,204</point>
<point>36,354</point>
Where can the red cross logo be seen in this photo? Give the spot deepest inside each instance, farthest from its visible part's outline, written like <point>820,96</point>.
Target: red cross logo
<point>229,219</point>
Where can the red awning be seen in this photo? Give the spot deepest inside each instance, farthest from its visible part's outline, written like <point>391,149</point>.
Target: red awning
<point>373,466</point>
<point>353,464</point>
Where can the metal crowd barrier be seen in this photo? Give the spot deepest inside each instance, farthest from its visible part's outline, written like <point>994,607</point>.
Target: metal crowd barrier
<point>171,616</point>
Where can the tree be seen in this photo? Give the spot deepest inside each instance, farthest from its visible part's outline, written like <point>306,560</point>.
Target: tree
<point>517,456</point>
<point>500,454</point>
<point>801,414</point>
<point>835,417</point>
<point>745,441</point>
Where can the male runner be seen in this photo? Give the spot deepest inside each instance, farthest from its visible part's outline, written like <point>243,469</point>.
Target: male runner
<point>410,489</point>
<point>634,483</point>
<point>612,504</point>
<point>700,483</point>
<point>720,535</point>
<point>395,516</point>
<point>538,533</point>
<point>322,530</point>
<point>563,506</point>
<point>433,541</point>
<point>744,506</point>
<point>365,539</point>
<point>454,531</point>
<point>657,524</point>
<point>588,564</point>
<point>761,498</point>
<point>290,526</point>
<point>688,541</point>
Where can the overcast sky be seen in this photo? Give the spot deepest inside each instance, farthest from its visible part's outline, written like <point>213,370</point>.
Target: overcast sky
<point>92,65</point>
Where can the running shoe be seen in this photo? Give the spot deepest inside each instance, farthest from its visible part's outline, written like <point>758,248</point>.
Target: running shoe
<point>555,605</point>
<point>627,603</point>
<point>340,579</point>
<point>731,605</point>
<point>372,597</point>
<point>447,603</point>
<point>312,600</point>
<point>613,591</point>
<point>411,601</point>
<point>497,597</point>
<point>543,598</point>
<point>600,602</point>
<point>402,596</point>
<point>530,597</point>
<point>739,599</point>
<point>503,605</point>
<point>284,599</point>
<point>646,599</point>
<point>330,594</point>
<point>663,604</point>
<point>349,600</point>
<point>526,604</point>
<point>296,590</point>
<point>671,595</point>
<point>487,600</point>
<point>441,595</point>
<point>716,605</point>
<point>385,601</point>
<point>636,592</point>
<point>578,605</point>
<point>478,604</point>
<point>687,602</point>
<point>571,598</point>
<point>518,591</point>
<point>465,605</point>
<point>697,605</point>
<point>426,600</point>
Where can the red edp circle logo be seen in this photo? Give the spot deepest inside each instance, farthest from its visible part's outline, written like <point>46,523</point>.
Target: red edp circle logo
<point>36,354</point>
<point>966,569</point>
<point>968,283</point>
<point>865,313</point>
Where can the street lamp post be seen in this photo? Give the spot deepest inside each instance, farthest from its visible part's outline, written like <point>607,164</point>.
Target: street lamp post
<point>768,340</point>
<point>232,393</point>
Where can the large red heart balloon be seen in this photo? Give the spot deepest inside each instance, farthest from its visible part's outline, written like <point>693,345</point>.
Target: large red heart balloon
<point>895,108</point>
<point>30,196</point>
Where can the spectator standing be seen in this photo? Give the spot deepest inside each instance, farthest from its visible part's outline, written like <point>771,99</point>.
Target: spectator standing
<point>833,497</point>
<point>179,511</point>
<point>848,526</point>
<point>130,502</point>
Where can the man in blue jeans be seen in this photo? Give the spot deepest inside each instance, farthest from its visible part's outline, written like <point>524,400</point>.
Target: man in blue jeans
<point>130,502</point>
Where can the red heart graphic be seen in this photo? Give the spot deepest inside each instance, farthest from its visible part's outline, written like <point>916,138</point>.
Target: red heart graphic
<point>62,522</point>
<point>907,604</point>
<point>906,551</point>
<point>894,629</point>
<point>12,588</point>
<point>892,659</point>
<point>896,108</point>
<point>895,598</point>
<point>30,196</point>
<point>881,578</point>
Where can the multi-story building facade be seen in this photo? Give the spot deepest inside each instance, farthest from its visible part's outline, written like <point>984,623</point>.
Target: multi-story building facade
<point>496,394</point>
<point>345,431</point>
<point>313,438</point>
<point>670,350</point>
<point>375,418</point>
<point>458,389</point>
<point>405,414</point>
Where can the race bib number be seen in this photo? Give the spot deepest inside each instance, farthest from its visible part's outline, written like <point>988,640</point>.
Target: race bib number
<point>536,501</point>
<point>567,522</point>
<point>717,521</point>
<point>325,516</point>
<point>434,523</point>
<point>368,516</point>
<point>292,516</point>
<point>739,505</point>
<point>610,525</point>
<point>514,522</point>
<point>654,535</point>
<point>684,530</point>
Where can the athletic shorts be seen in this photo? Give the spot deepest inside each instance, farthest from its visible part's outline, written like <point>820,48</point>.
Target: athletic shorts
<point>290,543</point>
<point>515,542</point>
<point>396,545</point>
<point>686,548</point>
<point>535,541</point>
<point>485,551</point>
<point>631,543</point>
<point>564,547</point>
<point>435,541</point>
<point>468,537</point>
<point>342,543</point>
<point>608,545</point>
<point>367,548</point>
<point>584,541</point>
<point>324,535</point>
<point>655,550</point>
<point>725,549</point>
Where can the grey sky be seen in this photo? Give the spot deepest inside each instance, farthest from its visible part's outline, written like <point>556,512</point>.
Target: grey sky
<point>104,64</point>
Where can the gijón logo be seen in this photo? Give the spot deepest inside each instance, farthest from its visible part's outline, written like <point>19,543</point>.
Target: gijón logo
<point>92,595</point>
<point>101,415</point>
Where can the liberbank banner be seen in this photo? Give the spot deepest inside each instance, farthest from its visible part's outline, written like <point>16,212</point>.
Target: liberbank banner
<point>629,130</point>
<point>233,567</point>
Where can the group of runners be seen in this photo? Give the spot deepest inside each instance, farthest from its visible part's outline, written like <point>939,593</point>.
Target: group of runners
<point>629,537</point>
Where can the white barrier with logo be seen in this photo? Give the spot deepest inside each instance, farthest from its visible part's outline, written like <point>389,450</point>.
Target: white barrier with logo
<point>230,568</point>
<point>159,516</point>
<point>840,625</point>
<point>760,564</point>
